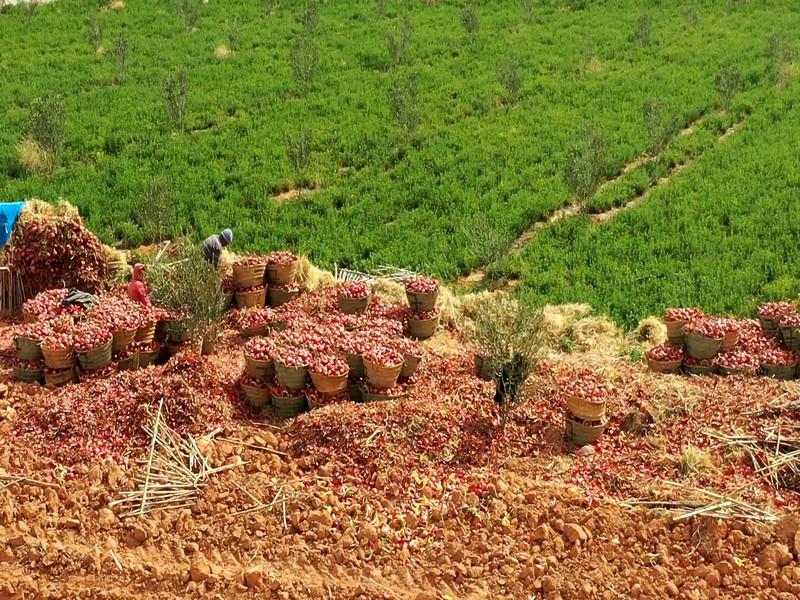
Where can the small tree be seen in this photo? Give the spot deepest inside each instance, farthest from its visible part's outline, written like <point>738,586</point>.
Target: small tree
<point>512,338</point>
<point>528,7</point>
<point>93,29</point>
<point>119,56</point>
<point>233,33</point>
<point>304,62</point>
<point>644,29</point>
<point>47,126</point>
<point>187,11</point>
<point>298,151</point>
<point>470,19</point>
<point>176,98</point>
<point>586,162</point>
<point>397,41</point>
<point>157,212</point>
<point>727,82</point>
<point>660,124</point>
<point>403,104</point>
<point>509,76</point>
<point>311,16</point>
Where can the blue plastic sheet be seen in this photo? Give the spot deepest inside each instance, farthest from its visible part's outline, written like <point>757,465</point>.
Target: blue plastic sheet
<point>9,211</point>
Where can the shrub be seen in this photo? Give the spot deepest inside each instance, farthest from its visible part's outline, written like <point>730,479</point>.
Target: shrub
<point>311,16</point>
<point>403,104</point>
<point>233,33</point>
<point>46,131</point>
<point>119,56</point>
<point>644,29</point>
<point>470,19</point>
<point>93,30</point>
<point>727,82</point>
<point>780,52</point>
<point>528,7</point>
<point>187,11</point>
<point>690,18</point>
<point>269,6</point>
<point>33,158</point>
<point>298,151</point>
<point>156,214</point>
<point>176,92</point>
<point>380,8</point>
<point>510,78</point>
<point>660,124</point>
<point>585,164</point>
<point>304,62</point>
<point>397,41</point>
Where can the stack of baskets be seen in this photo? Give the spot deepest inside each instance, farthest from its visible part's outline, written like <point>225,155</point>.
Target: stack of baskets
<point>60,365</point>
<point>30,366</point>
<point>380,378</point>
<point>249,282</point>
<point>586,419</point>
<point>425,318</point>
<point>281,278</point>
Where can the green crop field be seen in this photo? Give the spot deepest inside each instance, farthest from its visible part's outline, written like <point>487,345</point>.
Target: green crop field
<point>425,159</point>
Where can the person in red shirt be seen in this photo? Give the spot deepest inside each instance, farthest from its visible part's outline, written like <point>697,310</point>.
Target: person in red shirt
<point>137,290</point>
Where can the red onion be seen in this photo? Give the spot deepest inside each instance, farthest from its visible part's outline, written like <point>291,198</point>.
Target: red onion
<point>422,285</point>
<point>709,328</point>
<point>665,353</point>
<point>682,314</point>
<point>384,357</point>
<point>281,258</point>
<point>357,290</point>
<point>774,310</point>
<point>329,364</point>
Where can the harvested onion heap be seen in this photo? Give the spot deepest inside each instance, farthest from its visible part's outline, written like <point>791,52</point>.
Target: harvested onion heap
<point>665,353</point>
<point>384,357</point>
<point>728,325</point>
<point>406,346</point>
<point>709,328</point>
<point>33,331</point>
<point>756,343</point>
<point>117,314</point>
<point>427,315</point>
<point>291,356</point>
<point>393,391</point>
<point>281,258</point>
<point>790,321</point>
<point>260,348</point>
<point>776,310</point>
<point>58,341</point>
<point>737,359</point>
<point>682,314</point>
<point>250,261</point>
<point>422,285</point>
<point>329,364</point>
<point>251,318</point>
<point>90,335</point>
<point>582,383</point>
<point>356,290</point>
<point>779,357</point>
<point>47,304</point>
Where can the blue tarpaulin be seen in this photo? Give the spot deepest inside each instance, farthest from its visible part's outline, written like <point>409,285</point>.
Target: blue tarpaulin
<point>9,211</point>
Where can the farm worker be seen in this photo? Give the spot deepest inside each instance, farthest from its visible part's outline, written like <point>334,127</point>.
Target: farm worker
<point>213,245</point>
<point>137,290</point>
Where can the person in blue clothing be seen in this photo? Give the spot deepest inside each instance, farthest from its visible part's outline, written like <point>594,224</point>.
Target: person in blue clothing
<point>213,245</point>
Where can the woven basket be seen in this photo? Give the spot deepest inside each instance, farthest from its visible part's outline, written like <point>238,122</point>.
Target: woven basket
<point>728,372</point>
<point>28,375</point>
<point>327,384</point>
<point>28,348</point>
<point>146,333</point>
<point>254,331</point>
<point>253,298</point>
<point>675,328</point>
<point>584,433</point>
<point>381,377</point>
<point>148,358</point>
<point>290,406</point>
<point>356,364</point>
<point>256,397</point>
<point>61,377</point>
<point>422,302</point>
<point>729,341</point>
<point>484,368</point>
<point>123,338</point>
<point>292,378</point>
<point>779,371</point>
<point>367,396</point>
<point>129,364</point>
<point>769,326</point>
<point>279,296</point>
<point>423,329</point>
<point>699,369</point>
<point>195,346</point>
<point>410,365</point>
<point>59,359</point>
<point>95,359</point>
<point>263,369</point>
<point>678,340</point>
<point>585,410</point>
<point>208,347</point>
<point>281,274</point>
<point>177,331</point>
<point>247,276</point>
<point>352,306</point>
<point>664,366</point>
<point>791,338</point>
<point>702,347</point>
<point>28,317</point>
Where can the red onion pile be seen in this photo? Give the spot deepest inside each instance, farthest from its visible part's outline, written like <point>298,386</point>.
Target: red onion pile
<point>329,364</point>
<point>779,357</point>
<point>756,343</point>
<point>260,348</point>
<point>422,285</point>
<point>58,341</point>
<point>291,356</point>
<point>582,383</point>
<point>384,357</point>
<point>46,304</point>
<point>665,353</point>
<point>406,346</point>
<point>709,328</point>
<point>357,290</point>
<point>697,362</point>
<point>393,391</point>
<point>276,389</point>
<point>737,359</point>
<point>728,325</point>
<point>281,258</point>
<point>34,331</point>
<point>251,318</point>
<point>255,382</point>
<point>682,314</point>
<point>790,321</point>
<point>426,315</point>
<point>90,335</point>
<point>250,261</point>
<point>775,310</point>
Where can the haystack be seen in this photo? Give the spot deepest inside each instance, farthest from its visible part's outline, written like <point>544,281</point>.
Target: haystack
<point>311,277</point>
<point>649,332</point>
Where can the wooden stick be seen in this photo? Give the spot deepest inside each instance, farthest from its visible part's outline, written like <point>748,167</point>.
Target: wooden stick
<point>22,480</point>
<point>255,447</point>
<point>152,453</point>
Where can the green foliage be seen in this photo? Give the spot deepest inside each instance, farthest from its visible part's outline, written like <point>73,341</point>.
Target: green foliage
<point>509,76</point>
<point>644,30</point>
<point>403,104</point>
<point>780,52</point>
<point>188,12</point>
<point>728,81</point>
<point>380,8</point>
<point>119,56</point>
<point>47,124</point>
<point>298,151</point>
<point>269,6</point>
<point>397,40</point>
<point>93,30</point>
<point>585,165</point>
<point>233,33</point>
<point>660,123</point>
<point>470,19</point>
<point>156,214</point>
<point>690,18</point>
<point>305,59</point>
<point>528,10</point>
<point>176,98</point>
<point>311,16</point>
